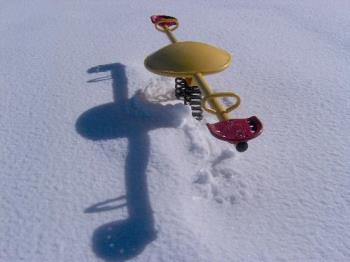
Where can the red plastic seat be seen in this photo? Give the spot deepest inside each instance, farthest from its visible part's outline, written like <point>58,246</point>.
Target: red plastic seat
<point>237,130</point>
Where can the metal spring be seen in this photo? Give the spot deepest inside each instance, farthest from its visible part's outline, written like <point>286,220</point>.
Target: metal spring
<point>191,95</point>
<point>180,86</point>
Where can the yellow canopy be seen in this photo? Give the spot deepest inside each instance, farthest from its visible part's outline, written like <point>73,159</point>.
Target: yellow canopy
<point>184,59</point>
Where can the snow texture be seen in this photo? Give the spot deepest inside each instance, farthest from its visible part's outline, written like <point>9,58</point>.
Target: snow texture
<point>100,163</point>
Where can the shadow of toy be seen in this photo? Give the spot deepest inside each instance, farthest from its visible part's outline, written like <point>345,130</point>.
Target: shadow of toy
<point>132,119</point>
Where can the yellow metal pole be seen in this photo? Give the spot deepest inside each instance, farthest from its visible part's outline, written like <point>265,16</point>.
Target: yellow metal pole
<point>214,102</point>
<point>169,35</point>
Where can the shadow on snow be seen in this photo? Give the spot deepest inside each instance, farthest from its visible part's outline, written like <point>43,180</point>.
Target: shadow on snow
<point>132,119</point>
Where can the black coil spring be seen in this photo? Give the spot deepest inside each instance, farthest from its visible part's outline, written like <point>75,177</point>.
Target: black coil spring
<point>180,86</point>
<point>191,95</point>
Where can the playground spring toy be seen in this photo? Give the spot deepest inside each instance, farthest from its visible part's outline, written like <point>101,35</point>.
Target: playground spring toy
<point>188,62</point>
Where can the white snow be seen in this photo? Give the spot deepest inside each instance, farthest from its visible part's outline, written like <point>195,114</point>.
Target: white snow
<point>93,169</point>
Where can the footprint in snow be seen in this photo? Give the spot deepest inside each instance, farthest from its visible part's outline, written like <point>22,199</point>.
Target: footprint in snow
<point>219,182</point>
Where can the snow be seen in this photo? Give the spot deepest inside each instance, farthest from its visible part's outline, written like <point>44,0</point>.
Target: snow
<point>91,163</point>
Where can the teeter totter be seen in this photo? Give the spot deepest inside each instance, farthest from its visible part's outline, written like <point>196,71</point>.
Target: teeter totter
<point>188,62</point>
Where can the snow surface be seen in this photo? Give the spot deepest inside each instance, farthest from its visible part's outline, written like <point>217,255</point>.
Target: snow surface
<point>93,170</point>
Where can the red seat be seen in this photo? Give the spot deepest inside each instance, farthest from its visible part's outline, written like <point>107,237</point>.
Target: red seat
<point>236,130</point>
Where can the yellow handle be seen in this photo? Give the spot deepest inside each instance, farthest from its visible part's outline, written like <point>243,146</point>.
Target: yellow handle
<point>221,94</point>
<point>165,28</point>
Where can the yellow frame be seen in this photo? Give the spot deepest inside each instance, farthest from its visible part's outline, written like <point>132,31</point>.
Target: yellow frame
<point>210,97</point>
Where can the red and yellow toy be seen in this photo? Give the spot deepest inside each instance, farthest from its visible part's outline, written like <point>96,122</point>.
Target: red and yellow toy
<point>188,62</point>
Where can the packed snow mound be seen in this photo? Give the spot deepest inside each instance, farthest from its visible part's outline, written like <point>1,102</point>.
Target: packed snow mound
<point>160,89</point>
